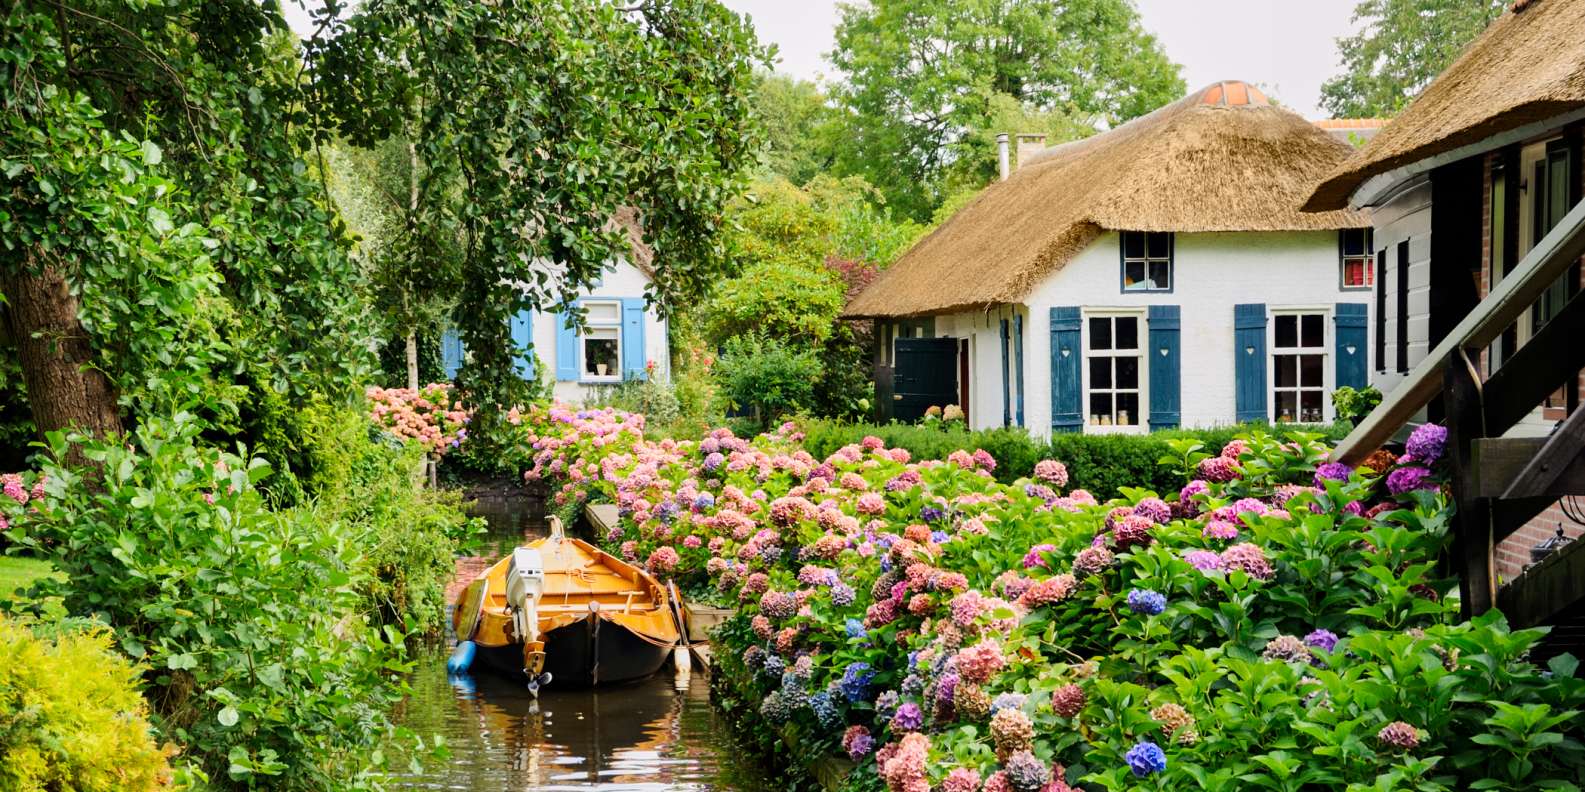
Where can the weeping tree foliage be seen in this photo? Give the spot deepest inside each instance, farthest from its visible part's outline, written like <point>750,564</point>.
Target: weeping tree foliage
<point>535,122</point>
<point>162,243</point>
<point>1401,46</point>
<point>923,76</point>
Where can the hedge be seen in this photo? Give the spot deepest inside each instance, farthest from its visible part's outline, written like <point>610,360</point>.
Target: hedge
<point>1098,463</point>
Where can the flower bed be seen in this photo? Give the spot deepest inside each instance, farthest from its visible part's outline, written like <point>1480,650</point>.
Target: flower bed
<point>429,415</point>
<point>1278,623</point>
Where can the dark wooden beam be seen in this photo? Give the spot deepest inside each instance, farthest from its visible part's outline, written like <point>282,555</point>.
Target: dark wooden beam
<point>1561,451</point>
<point>1549,359</point>
<point>1546,589</point>
<point>1499,461</point>
<point>1472,534</point>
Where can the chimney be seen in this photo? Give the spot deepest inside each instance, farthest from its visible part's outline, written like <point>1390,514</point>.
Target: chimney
<point>1029,144</point>
<point>1001,155</point>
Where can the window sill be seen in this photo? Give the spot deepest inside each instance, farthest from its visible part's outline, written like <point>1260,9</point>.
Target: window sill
<point>1096,429</point>
<point>599,380</point>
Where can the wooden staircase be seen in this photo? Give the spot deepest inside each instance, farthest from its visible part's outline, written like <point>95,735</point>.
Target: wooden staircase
<point>1500,483</point>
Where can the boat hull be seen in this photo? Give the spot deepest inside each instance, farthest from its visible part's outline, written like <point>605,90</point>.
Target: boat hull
<point>584,653</point>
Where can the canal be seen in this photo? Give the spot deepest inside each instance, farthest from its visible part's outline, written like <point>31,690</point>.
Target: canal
<point>659,735</point>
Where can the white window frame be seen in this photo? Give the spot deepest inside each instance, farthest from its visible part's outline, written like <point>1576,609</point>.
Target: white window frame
<point>613,327</point>
<point>1367,258</point>
<point>1139,425</point>
<point>1324,351</point>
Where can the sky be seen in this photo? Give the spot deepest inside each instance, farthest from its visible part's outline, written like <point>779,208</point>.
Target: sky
<point>1288,47</point>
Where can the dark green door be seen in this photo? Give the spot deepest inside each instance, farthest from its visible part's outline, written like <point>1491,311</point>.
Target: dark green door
<point>925,375</point>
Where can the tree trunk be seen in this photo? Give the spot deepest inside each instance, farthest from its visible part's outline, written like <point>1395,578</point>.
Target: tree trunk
<point>412,359</point>
<point>64,390</point>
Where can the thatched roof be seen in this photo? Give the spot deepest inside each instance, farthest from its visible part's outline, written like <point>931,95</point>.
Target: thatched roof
<point>1220,159</point>
<point>643,256</point>
<point>1528,66</point>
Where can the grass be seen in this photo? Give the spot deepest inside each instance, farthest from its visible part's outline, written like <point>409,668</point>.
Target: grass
<point>17,572</point>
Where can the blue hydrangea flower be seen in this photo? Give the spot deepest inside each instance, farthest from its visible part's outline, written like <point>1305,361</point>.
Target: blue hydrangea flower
<point>856,681</point>
<point>1146,601</point>
<point>704,501</point>
<point>886,704</point>
<point>938,536</point>
<point>776,708</point>
<point>1146,758</point>
<point>771,554</point>
<point>931,514</point>
<point>774,666</point>
<point>825,710</point>
<point>842,595</point>
<point>666,511</point>
<point>1013,701</point>
<point>854,627</point>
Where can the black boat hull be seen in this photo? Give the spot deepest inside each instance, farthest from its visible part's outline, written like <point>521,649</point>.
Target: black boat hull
<point>581,654</point>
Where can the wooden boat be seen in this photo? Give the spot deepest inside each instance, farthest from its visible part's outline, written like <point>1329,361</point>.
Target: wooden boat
<point>562,607</point>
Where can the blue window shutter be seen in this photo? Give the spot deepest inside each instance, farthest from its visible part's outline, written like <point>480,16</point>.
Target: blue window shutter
<point>1067,384</point>
<point>1166,364</point>
<point>1018,354</point>
<point>566,349</point>
<point>633,338</point>
<point>451,353</point>
<point>1007,377</point>
<point>1249,352</point>
<point>1352,319</point>
<point>523,340</point>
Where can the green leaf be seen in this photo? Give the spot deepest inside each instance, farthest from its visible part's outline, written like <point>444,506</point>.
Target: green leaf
<point>228,717</point>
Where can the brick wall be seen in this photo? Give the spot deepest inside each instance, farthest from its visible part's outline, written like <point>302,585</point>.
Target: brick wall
<point>1513,553</point>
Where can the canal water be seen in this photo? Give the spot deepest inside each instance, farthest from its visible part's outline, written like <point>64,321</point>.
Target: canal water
<point>659,735</point>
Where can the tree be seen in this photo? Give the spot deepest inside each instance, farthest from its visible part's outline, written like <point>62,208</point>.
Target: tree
<point>535,123</point>
<point>1401,46</point>
<point>164,245</point>
<point>923,75</point>
<point>802,129</point>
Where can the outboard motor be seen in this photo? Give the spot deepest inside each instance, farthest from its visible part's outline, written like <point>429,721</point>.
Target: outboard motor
<point>525,584</point>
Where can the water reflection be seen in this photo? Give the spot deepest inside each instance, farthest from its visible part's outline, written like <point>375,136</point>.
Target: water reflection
<point>649,736</point>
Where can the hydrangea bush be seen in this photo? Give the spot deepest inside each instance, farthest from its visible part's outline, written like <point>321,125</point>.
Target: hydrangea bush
<point>430,415</point>
<point>1278,623</point>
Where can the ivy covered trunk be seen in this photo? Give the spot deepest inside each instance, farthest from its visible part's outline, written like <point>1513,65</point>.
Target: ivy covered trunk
<point>64,389</point>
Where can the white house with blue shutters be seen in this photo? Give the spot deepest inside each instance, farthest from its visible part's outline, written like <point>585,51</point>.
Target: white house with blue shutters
<point>620,338</point>
<point>1155,275</point>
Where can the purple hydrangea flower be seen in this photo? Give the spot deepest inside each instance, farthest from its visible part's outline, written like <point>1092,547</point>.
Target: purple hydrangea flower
<point>1332,471</point>
<point>1408,479</point>
<point>1147,602</point>
<point>1325,640</point>
<point>908,718</point>
<point>1146,758</point>
<point>1204,560</point>
<point>1427,442</point>
<point>1034,558</point>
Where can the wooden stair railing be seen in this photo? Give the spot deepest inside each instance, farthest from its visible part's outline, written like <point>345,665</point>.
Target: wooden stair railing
<point>1498,484</point>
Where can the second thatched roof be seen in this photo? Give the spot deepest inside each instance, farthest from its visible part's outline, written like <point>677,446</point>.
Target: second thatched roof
<point>1528,66</point>
<point>1221,159</point>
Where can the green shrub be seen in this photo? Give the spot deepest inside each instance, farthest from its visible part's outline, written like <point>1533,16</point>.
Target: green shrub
<point>767,376</point>
<point>407,534</point>
<point>1101,464</point>
<point>247,619</point>
<point>71,717</point>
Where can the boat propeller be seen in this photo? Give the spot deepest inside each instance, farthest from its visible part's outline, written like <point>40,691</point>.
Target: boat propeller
<point>534,683</point>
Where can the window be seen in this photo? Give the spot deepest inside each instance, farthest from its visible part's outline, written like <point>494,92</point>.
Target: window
<point>1298,354</point>
<point>601,341</point>
<point>1147,261</point>
<point>1112,351</point>
<point>1359,270</point>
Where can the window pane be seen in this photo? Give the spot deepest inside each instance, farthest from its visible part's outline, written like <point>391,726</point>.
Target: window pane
<point>1310,406</point>
<point>599,357</point>
<point>1310,371</point>
<point>1160,245</point>
<point>1286,371</point>
<point>1127,372</point>
<point>1133,244</point>
<point>1287,330</point>
<point>1353,241</point>
<point>1499,225</point>
<point>1160,275</point>
<point>1127,409</point>
<point>1127,332</point>
<point>1134,275</point>
<point>1101,408</point>
<point>1100,333</point>
<point>1287,403</point>
<point>1313,329</point>
<point>1354,273</point>
<point>602,313</point>
<point>1100,372</point>
<point>1557,188</point>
